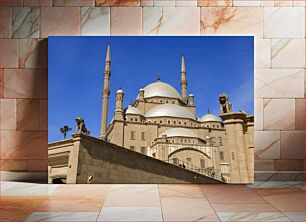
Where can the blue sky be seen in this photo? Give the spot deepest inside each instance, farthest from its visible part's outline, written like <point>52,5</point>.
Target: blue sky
<point>76,64</point>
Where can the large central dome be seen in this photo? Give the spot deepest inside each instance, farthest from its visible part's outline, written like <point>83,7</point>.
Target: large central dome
<point>181,132</point>
<point>170,110</point>
<point>160,89</point>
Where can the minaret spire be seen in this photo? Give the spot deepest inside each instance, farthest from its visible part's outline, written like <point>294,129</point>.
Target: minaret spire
<point>105,94</point>
<point>183,80</point>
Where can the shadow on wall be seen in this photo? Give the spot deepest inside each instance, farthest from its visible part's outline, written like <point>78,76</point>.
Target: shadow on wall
<point>26,149</point>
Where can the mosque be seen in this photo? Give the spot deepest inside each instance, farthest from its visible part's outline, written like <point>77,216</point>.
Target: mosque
<point>162,123</point>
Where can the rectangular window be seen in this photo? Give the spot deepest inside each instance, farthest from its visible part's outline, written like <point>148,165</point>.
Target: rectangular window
<point>220,141</point>
<point>143,136</point>
<point>202,163</point>
<point>143,150</point>
<point>132,148</point>
<point>233,155</point>
<point>221,155</point>
<point>132,135</point>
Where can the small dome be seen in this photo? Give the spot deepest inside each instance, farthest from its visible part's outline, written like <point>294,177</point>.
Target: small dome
<point>133,110</point>
<point>119,91</point>
<point>210,118</point>
<point>170,110</point>
<point>160,89</point>
<point>140,90</point>
<point>191,95</point>
<point>182,132</point>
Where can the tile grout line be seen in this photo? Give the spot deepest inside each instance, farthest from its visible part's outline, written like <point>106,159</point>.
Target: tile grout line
<point>278,210</point>
<point>161,208</point>
<point>209,202</point>
<point>104,202</point>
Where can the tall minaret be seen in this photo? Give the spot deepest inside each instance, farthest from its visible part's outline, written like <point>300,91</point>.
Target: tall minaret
<point>183,81</point>
<point>105,95</point>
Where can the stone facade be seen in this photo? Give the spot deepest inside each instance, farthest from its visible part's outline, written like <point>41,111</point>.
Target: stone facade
<point>162,123</point>
<point>85,159</point>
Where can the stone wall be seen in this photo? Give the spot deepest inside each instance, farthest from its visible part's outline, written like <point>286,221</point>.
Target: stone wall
<point>108,163</point>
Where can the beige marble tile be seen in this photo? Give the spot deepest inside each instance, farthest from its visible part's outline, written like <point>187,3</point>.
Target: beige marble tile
<point>305,83</point>
<point>169,20</point>
<point>8,53</point>
<point>267,3</point>
<point>51,17</point>
<point>13,165</point>
<point>267,145</point>
<point>163,3</point>
<point>1,83</point>
<point>71,204</point>
<point>299,3</point>
<point>37,2</point>
<point>253,216</point>
<point>292,144</point>
<point>289,165</point>
<point>263,207</point>
<point>232,21</point>
<point>283,3</point>
<point>122,26</point>
<point>125,3</point>
<point>23,144</point>
<point>33,53</point>
<point>262,53</point>
<point>5,3</point>
<point>300,114</point>
<point>179,191</point>
<point>25,22</point>
<point>285,199</point>
<point>187,209</point>
<point>258,113</point>
<point>25,83</point>
<point>28,114</point>
<point>64,216</point>
<point>279,114</point>
<point>275,83</point>
<point>285,49</point>
<point>18,208</point>
<point>136,195</point>
<point>94,191</point>
<point>43,114</point>
<point>8,114</point>
<point>128,214</point>
<point>37,165</point>
<point>206,3</point>
<point>95,21</point>
<point>230,194</point>
<point>5,22</point>
<point>146,2</point>
<point>263,165</point>
<point>237,3</point>
<point>186,3</point>
<point>73,2</point>
<point>278,22</point>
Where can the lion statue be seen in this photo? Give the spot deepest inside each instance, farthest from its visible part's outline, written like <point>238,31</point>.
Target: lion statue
<point>81,128</point>
<point>225,105</point>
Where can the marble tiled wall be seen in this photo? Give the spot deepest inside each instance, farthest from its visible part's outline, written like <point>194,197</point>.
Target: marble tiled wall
<point>278,26</point>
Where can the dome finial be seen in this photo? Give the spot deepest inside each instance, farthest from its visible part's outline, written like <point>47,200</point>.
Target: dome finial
<point>208,110</point>
<point>158,77</point>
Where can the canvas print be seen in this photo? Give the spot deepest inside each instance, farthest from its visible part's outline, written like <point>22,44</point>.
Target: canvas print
<point>151,110</point>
